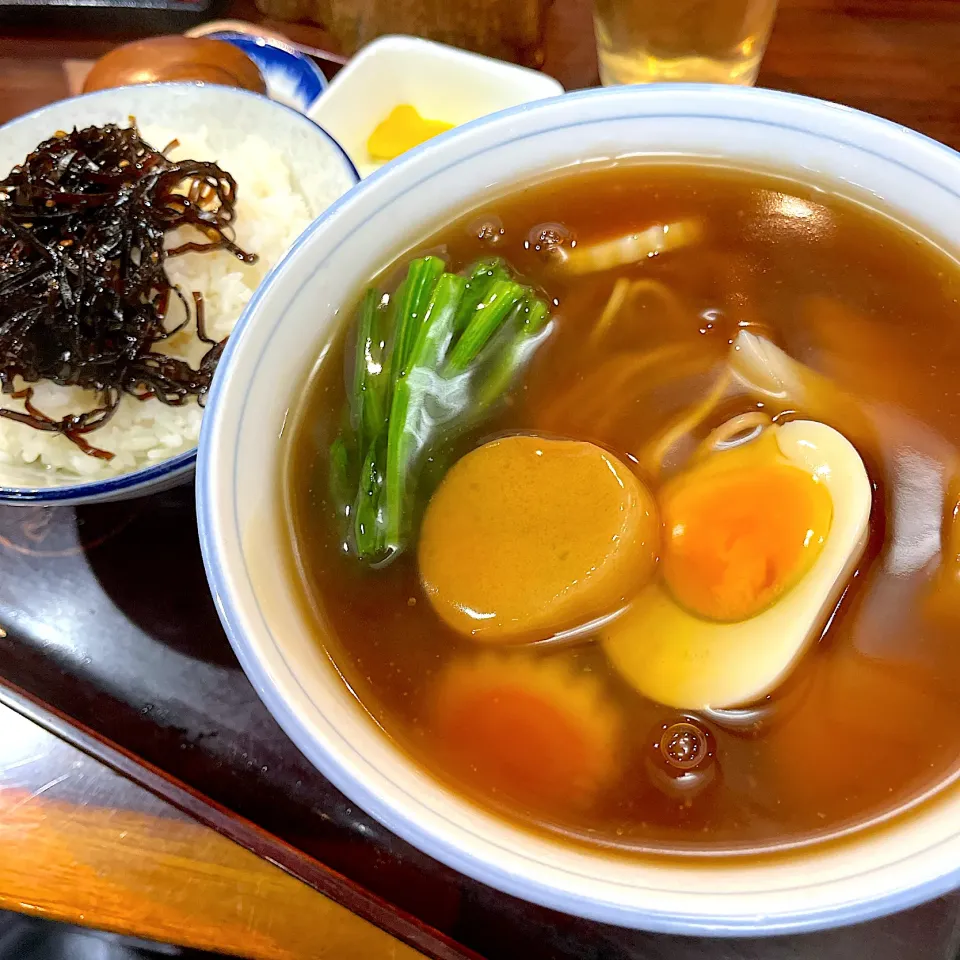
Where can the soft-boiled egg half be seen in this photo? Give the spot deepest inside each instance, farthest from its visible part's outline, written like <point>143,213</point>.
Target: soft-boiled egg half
<point>759,540</point>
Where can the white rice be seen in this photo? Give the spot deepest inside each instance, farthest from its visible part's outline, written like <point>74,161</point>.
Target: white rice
<point>271,214</point>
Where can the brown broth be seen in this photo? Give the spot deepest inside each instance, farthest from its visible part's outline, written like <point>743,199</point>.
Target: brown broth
<point>870,719</point>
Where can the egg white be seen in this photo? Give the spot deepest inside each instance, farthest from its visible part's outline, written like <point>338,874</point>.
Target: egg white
<point>681,660</point>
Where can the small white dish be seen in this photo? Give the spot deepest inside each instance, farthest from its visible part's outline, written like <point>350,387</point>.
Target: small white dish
<point>442,82</point>
<point>225,113</point>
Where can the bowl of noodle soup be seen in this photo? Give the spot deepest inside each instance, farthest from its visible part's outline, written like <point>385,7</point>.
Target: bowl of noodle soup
<point>758,846</point>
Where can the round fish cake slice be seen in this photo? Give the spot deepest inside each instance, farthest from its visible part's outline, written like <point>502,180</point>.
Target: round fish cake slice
<point>528,537</point>
<point>528,727</point>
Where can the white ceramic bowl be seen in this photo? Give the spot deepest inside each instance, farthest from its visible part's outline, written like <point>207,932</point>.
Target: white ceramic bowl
<point>894,865</point>
<point>226,113</point>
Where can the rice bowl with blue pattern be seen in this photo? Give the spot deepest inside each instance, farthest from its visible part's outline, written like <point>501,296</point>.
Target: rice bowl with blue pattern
<point>287,171</point>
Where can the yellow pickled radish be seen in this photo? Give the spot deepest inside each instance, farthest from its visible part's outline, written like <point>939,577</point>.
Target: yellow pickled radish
<point>402,130</point>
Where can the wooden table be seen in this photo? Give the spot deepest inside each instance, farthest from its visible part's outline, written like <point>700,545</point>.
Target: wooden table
<point>896,58</point>
<point>81,843</point>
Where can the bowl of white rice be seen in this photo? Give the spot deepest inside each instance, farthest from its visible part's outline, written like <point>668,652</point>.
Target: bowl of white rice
<point>287,170</point>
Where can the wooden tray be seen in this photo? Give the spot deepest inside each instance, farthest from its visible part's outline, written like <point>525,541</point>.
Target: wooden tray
<point>110,639</point>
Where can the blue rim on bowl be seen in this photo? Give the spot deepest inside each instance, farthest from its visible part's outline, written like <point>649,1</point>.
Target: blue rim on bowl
<point>794,906</point>
<point>178,468</point>
<point>291,77</point>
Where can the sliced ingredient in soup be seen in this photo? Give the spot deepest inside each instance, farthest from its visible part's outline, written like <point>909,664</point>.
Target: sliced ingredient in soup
<point>698,522</point>
<point>528,537</point>
<point>536,731</point>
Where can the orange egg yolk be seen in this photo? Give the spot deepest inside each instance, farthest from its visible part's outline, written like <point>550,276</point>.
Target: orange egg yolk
<point>735,539</point>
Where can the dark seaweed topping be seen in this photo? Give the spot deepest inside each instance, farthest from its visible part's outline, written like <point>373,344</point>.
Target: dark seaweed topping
<point>83,286</point>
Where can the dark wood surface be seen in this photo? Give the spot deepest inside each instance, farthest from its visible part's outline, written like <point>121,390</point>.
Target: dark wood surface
<point>83,844</point>
<point>897,58</point>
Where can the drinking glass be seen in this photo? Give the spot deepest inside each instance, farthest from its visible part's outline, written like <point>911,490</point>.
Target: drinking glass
<point>711,41</point>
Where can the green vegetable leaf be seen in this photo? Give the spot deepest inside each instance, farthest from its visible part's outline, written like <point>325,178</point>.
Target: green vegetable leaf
<point>500,298</point>
<point>408,429</point>
<point>412,300</point>
<point>533,315</point>
<point>369,378</point>
<point>481,278</point>
<point>422,370</point>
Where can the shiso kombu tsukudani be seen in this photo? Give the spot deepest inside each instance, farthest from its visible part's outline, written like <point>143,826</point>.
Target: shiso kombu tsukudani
<point>84,291</point>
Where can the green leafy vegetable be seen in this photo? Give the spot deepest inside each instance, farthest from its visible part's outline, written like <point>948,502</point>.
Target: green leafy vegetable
<point>429,362</point>
<point>481,278</point>
<point>369,520</point>
<point>367,385</point>
<point>412,300</point>
<point>500,298</point>
<point>408,431</point>
<point>533,316</point>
